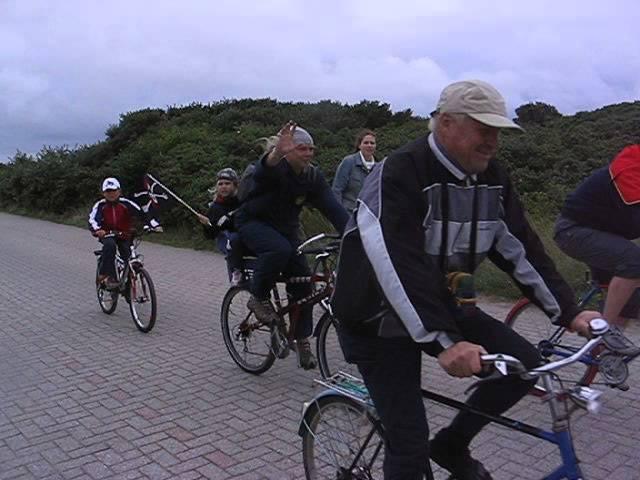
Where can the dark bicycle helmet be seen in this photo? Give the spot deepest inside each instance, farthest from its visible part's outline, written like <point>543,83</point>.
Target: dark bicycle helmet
<point>227,174</point>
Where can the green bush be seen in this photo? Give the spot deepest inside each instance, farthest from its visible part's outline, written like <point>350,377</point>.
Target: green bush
<point>184,146</point>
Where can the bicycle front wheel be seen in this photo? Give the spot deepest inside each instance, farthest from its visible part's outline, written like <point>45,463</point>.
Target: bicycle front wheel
<point>330,357</point>
<point>108,300</point>
<point>247,340</point>
<point>341,441</point>
<point>142,300</point>
<point>534,325</point>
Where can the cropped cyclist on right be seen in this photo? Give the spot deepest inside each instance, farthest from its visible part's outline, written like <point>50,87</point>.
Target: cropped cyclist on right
<point>597,224</point>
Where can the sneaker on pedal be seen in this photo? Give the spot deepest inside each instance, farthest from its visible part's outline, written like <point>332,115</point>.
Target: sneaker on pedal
<point>306,359</point>
<point>615,340</point>
<point>236,278</point>
<point>459,463</point>
<point>263,310</point>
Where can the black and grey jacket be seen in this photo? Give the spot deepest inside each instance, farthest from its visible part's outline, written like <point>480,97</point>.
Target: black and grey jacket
<point>414,222</point>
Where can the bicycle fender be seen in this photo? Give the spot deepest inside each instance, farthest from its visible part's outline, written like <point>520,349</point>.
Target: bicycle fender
<point>316,329</point>
<point>311,407</point>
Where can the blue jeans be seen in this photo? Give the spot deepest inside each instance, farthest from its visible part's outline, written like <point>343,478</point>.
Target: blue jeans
<point>276,253</point>
<point>230,245</point>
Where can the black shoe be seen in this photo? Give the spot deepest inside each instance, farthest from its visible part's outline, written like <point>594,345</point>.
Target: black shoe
<point>306,359</point>
<point>458,462</point>
<point>263,310</point>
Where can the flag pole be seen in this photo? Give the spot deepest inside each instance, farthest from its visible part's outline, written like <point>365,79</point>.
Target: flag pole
<point>174,195</point>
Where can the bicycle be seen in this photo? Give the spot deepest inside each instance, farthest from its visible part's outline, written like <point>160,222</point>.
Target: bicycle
<point>254,346</point>
<point>553,341</point>
<point>343,438</point>
<point>134,284</point>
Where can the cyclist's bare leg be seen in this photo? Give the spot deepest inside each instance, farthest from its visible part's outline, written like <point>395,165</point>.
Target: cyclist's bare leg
<point>619,292</point>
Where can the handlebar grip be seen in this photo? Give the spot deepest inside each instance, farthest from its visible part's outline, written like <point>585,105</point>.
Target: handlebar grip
<point>598,326</point>
<point>505,364</point>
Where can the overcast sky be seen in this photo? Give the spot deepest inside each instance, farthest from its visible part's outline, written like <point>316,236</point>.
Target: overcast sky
<point>69,68</point>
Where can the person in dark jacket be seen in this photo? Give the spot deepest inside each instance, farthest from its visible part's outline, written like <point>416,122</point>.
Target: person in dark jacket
<point>115,214</point>
<point>269,221</point>
<point>353,169</point>
<point>438,205</point>
<point>597,224</point>
<point>218,222</point>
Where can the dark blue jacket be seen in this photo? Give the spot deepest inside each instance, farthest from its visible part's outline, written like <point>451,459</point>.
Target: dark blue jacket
<point>218,215</point>
<point>280,195</point>
<point>597,204</point>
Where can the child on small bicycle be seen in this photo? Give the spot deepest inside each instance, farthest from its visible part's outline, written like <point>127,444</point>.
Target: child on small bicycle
<point>218,222</point>
<point>114,214</point>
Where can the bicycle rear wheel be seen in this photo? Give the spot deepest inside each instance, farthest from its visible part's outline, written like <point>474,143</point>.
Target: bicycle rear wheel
<point>142,300</point>
<point>534,325</point>
<point>340,441</point>
<point>247,340</point>
<point>330,357</point>
<point>108,300</point>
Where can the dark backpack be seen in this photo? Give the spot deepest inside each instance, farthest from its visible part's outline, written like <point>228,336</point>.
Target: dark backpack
<point>247,184</point>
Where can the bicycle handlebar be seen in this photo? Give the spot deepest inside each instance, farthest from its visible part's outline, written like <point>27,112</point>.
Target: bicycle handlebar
<point>133,233</point>
<point>331,247</point>
<point>508,365</point>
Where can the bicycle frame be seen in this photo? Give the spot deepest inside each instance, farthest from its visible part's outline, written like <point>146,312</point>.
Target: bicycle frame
<point>352,387</point>
<point>559,436</point>
<point>124,268</point>
<point>292,308</point>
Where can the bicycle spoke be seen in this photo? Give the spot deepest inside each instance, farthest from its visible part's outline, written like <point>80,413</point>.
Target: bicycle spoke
<point>247,340</point>
<point>345,444</point>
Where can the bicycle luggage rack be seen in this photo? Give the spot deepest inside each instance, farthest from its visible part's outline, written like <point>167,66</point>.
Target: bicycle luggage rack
<point>348,385</point>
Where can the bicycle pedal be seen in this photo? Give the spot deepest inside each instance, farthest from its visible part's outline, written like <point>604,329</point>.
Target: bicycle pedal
<point>279,344</point>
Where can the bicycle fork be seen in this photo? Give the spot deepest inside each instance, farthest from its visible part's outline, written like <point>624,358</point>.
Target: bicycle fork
<point>561,436</point>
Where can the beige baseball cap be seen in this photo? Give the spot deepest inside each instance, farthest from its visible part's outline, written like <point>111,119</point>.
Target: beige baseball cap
<point>479,100</point>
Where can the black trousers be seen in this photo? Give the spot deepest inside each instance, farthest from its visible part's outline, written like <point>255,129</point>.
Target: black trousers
<point>391,370</point>
<point>108,261</point>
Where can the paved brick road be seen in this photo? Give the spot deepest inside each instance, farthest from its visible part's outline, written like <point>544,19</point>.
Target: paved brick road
<point>86,396</point>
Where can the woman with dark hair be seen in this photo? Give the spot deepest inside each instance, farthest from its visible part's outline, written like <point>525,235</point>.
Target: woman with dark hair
<point>354,168</point>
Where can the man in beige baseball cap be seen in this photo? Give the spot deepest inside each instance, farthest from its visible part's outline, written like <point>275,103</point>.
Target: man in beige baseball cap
<point>437,206</point>
<point>477,99</point>
<point>467,122</point>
